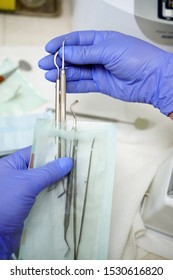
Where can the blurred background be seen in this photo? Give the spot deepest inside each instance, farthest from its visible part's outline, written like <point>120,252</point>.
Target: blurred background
<point>25,27</point>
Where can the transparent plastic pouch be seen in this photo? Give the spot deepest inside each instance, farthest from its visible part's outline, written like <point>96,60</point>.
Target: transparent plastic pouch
<point>71,219</point>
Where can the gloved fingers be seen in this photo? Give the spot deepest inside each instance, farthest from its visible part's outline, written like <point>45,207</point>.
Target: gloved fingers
<point>77,73</point>
<point>77,38</point>
<point>54,45</point>
<point>82,55</point>
<point>51,75</point>
<point>47,62</point>
<point>72,74</point>
<point>73,56</point>
<point>18,160</point>
<point>48,174</point>
<point>83,86</point>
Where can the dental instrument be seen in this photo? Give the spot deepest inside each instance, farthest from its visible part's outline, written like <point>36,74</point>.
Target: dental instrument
<point>60,110</point>
<point>85,200</point>
<point>71,185</point>
<point>57,93</point>
<point>60,101</point>
<point>23,65</point>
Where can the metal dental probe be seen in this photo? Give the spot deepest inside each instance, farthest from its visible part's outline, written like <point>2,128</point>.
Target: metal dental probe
<point>63,87</point>
<point>71,184</point>
<point>60,106</point>
<point>73,149</point>
<point>85,199</point>
<point>60,110</point>
<point>57,116</point>
<point>57,104</point>
<point>63,100</point>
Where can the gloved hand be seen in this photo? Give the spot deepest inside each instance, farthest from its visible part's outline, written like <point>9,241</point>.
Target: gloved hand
<point>18,190</point>
<point>115,64</point>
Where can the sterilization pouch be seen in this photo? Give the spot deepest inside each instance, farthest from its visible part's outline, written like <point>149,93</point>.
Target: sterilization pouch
<point>71,219</point>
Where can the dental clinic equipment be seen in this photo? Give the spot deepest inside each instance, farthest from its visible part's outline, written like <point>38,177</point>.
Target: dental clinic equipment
<point>73,224</point>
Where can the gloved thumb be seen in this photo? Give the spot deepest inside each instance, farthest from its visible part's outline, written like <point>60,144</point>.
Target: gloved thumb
<point>48,174</point>
<point>81,55</point>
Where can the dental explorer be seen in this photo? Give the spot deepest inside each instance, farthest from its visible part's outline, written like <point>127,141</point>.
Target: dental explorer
<point>71,185</point>
<point>60,101</point>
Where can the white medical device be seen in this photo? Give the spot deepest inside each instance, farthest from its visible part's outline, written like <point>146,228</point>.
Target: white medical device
<point>151,20</point>
<point>155,20</point>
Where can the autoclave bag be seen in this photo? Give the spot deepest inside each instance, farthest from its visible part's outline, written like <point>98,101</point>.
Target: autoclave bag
<point>71,219</point>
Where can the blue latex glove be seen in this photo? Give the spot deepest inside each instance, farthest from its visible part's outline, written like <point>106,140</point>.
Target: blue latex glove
<point>115,64</point>
<point>18,190</point>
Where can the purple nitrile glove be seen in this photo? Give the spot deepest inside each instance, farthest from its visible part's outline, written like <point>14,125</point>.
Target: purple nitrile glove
<point>115,64</point>
<point>18,190</point>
